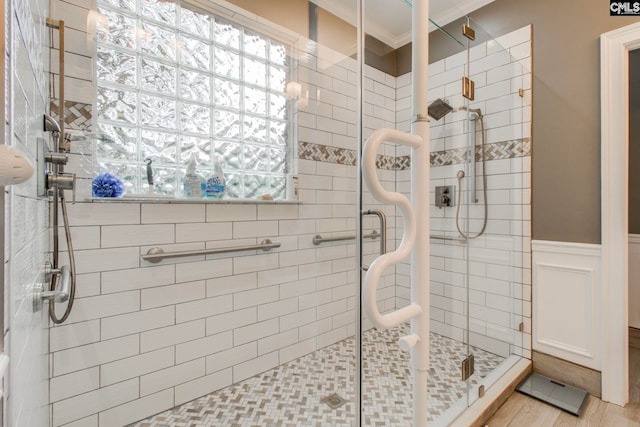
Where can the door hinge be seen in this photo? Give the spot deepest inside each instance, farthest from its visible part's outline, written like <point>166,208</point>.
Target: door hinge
<point>468,88</point>
<point>467,367</point>
<point>468,32</point>
<point>521,327</point>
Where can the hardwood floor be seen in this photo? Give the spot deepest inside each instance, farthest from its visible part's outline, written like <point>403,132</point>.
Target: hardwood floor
<point>522,411</point>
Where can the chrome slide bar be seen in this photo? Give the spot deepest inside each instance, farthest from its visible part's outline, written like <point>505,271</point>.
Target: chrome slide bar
<point>157,254</point>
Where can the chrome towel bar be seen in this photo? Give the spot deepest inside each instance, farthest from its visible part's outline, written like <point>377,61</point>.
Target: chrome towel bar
<point>157,254</point>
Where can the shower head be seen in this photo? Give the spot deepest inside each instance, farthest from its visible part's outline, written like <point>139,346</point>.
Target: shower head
<point>439,108</point>
<point>50,125</point>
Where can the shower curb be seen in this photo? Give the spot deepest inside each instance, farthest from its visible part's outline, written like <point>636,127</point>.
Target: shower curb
<point>479,413</point>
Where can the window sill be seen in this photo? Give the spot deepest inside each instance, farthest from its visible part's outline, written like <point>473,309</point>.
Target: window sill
<point>180,200</point>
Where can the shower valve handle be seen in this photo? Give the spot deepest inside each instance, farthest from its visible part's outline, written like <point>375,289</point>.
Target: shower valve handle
<point>63,181</point>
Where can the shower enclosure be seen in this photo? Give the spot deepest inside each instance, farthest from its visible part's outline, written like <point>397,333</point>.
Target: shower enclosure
<point>479,229</point>
<point>279,336</point>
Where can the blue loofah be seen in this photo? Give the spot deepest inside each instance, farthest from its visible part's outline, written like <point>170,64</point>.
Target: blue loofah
<point>107,185</point>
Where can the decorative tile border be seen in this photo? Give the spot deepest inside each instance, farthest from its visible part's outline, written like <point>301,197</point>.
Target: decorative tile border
<point>341,156</point>
<point>496,151</point>
<point>325,153</point>
<point>77,116</point>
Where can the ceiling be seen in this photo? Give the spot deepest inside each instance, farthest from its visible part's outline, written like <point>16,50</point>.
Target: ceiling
<point>394,28</point>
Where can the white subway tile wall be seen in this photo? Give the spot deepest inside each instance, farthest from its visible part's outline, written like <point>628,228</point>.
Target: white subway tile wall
<point>499,261</point>
<point>26,235</point>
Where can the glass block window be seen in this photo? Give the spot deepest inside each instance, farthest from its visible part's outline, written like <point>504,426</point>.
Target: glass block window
<point>173,81</point>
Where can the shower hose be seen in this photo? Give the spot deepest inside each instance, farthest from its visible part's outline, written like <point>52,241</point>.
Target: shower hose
<point>72,263</point>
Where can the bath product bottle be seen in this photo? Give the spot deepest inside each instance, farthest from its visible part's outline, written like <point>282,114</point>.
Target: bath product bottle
<point>292,187</point>
<point>193,183</point>
<point>214,188</point>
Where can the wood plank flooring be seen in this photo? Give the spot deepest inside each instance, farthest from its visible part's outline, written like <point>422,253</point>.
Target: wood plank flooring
<point>522,411</point>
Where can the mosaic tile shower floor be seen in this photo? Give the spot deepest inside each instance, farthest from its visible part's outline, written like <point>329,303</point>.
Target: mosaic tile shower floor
<point>290,394</point>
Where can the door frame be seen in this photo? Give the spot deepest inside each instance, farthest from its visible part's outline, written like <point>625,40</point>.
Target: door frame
<point>614,101</point>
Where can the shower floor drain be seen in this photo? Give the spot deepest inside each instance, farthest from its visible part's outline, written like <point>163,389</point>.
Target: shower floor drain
<point>334,401</point>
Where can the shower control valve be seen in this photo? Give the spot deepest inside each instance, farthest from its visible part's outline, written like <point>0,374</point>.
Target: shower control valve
<point>445,196</point>
<point>63,181</point>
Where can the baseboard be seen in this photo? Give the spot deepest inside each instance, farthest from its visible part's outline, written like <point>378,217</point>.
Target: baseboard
<point>568,372</point>
<point>479,413</point>
<point>634,337</point>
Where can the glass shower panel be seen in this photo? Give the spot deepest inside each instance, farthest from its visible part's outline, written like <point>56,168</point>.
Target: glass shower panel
<point>386,385</point>
<point>327,149</point>
<point>496,192</point>
<point>449,250</point>
<point>258,338</point>
<point>480,151</point>
<point>387,394</point>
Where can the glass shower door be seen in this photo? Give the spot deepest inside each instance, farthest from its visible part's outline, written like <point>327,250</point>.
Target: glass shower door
<point>478,196</point>
<point>494,217</point>
<point>386,379</point>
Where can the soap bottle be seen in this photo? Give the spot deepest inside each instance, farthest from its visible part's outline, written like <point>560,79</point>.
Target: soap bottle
<point>292,187</point>
<point>193,183</point>
<point>214,187</point>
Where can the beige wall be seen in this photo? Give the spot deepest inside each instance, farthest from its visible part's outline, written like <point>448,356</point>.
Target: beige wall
<point>336,33</point>
<point>333,32</point>
<point>292,14</point>
<point>566,108</point>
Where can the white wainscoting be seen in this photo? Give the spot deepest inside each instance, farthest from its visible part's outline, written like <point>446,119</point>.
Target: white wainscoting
<point>566,301</point>
<point>634,280</point>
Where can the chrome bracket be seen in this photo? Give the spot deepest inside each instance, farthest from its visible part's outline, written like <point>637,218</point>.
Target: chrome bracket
<point>468,88</point>
<point>420,118</point>
<point>59,295</point>
<point>36,299</point>
<point>468,32</point>
<point>481,391</point>
<point>467,367</point>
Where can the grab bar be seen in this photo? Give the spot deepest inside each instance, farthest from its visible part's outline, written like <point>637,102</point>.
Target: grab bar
<point>371,279</point>
<point>317,239</point>
<point>449,239</point>
<point>157,254</point>
<point>383,228</point>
